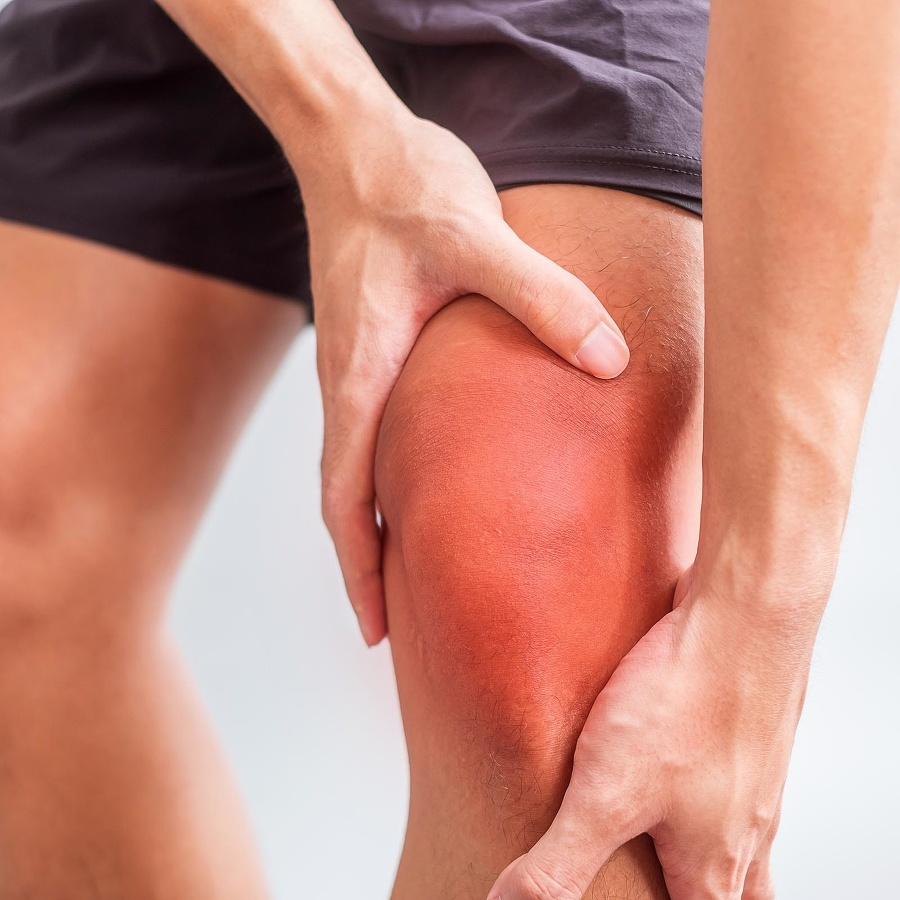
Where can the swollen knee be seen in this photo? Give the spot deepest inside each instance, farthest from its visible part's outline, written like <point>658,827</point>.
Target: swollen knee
<point>528,506</point>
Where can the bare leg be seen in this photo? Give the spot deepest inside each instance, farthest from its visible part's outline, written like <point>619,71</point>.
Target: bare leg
<point>123,386</point>
<point>536,523</point>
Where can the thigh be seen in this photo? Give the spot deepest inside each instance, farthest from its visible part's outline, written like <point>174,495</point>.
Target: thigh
<point>116,128</point>
<point>124,384</point>
<point>536,520</point>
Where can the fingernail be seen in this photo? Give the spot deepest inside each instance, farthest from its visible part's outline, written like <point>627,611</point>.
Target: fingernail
<point>367,633</point>
<point>363,626</point>
<point>372,632</point>
<point>604,354</point>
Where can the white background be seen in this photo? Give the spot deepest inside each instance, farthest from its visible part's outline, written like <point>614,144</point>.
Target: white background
<point>309,715</point>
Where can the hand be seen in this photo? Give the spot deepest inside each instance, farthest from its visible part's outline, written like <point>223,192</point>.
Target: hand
<point>689,741</point>
<point>402,220</point>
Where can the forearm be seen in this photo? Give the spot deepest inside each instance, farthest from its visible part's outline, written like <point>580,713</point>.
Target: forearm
<point>801,149</point>
<point>296,62</point>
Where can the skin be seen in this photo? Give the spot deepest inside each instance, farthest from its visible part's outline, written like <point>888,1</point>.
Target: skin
<point>801,149</point>
<point>536,523</point>
<point>801,153</point>
<point>124,384</point>
<point>99,801</point>
<point>403,220</point>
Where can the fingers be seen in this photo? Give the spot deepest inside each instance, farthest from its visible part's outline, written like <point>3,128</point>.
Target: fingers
<point>559,308</point>
<point>564,862</point>
<point>759,884</point>
<point>720,873</point>
<point>348,504</point>
<point>361,352</point>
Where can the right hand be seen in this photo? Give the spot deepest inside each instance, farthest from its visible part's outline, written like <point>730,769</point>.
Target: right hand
<point>402,220</point>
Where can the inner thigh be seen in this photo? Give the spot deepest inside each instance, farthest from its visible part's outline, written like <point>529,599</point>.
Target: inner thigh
<point>536,520</point>
<point>123,384</point>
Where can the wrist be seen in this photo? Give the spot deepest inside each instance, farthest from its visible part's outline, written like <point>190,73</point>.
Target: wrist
<point>765,582</point>
<point>318,108</point>
<point>774,541</point>
<point>342,136</point>
<point>777,477</point>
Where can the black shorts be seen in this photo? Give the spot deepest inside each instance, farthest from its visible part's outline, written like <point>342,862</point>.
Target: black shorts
<point>116,128</point>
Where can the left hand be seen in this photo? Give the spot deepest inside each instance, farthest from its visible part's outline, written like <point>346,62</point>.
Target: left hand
<point>689,741</point>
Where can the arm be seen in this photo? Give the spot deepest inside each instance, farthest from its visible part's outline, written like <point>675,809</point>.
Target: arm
<point>297,63</point>
<point>690,739</point>
<point>402,219</point>
<point>802,263</point>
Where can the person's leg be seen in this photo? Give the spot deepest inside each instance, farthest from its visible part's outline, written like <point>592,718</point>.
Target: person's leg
<point>536,521</point>
<point>123,385</point>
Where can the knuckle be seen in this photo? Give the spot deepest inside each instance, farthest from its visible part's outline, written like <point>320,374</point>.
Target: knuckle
<point>759,884</point>
<point>612,791</point>
<point>714,889</point>
<point>544,881</point>
<point>328,513</point>
<point>763,891</point>
<point>718,873</point>
<point>775,824</point>
<point>553,317</point>
<point>334,505</point>
<point>731,876</point>
<point>347,515</point>
<point>343,497</point>
<point>538,305</point>
<point>728,881</point>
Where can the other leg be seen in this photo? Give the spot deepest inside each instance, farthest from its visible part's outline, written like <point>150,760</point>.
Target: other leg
<point>123,385</point>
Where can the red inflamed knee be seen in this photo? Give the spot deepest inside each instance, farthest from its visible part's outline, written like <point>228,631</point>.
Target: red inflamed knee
<point>536,520</point>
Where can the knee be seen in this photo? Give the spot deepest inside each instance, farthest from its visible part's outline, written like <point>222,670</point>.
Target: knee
<point>64,550</point>
<point>538,519</point>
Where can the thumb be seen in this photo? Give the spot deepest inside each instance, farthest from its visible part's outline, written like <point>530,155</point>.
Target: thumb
<point>564,862</point>
<point>555,305</point>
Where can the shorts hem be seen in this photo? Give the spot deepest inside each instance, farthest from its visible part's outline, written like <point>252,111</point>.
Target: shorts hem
<point>56,220</point>
<point>680,184</point>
